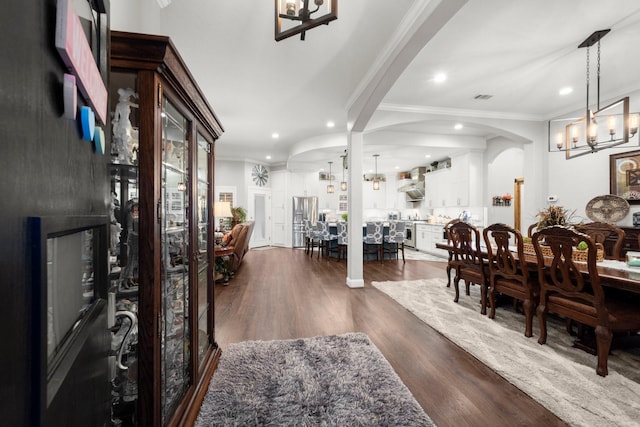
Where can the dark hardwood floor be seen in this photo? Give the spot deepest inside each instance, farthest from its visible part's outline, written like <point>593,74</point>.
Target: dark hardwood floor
<point>281,293</point>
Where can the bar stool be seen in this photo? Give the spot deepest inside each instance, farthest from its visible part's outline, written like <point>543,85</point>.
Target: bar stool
<point>373,239</point>
<point>324,237</point>
<point>342,240</point>
<point>394,241</point>
<point>311,237</point>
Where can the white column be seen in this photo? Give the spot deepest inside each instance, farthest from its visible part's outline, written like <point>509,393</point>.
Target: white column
<point>355,277</point>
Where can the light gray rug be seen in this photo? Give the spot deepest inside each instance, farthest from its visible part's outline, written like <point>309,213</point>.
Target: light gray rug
<point>339,380</point>
<point>560,377</point>
<point>421,256</point>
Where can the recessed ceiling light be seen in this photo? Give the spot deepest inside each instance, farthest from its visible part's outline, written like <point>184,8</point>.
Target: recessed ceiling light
<point>397,167</point>
<point>268,157</point>
<point>275,135</point>
<point>565,90</point>
<point>427,156</point>
<point>458,126</point>
<point>330,124</point>
<point>440,78</point>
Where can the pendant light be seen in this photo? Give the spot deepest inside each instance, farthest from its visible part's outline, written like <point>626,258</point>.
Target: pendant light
<point>294,17</point>
<point>343,183</point>
<point>577,137</point>
<point>330,186</point>
<point>376,180</point>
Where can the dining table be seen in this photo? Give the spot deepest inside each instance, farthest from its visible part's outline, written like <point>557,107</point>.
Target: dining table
<point>613,273</point>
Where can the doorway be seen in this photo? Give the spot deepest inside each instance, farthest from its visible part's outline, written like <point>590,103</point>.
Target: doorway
<point>259,210</point>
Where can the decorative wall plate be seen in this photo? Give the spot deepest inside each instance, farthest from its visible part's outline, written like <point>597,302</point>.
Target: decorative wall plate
<point>608,208</point>
<point>260,175</point>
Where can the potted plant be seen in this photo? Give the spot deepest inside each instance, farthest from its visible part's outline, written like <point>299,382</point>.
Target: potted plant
<point>345,217</point>
<point>239,215</point>
<point>554,215</point>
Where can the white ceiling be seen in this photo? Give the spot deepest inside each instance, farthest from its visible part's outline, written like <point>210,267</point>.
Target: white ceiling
<point>519,52</point>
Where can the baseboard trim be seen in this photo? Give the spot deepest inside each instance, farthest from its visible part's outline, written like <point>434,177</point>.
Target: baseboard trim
<point>355,283</point>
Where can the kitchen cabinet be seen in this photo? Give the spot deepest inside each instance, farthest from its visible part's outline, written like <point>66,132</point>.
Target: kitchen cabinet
<point>423,237</point>
<point>466,180</point>
<point>436,231</point>
<point>437,188</point>
<point>427,235</point>
<point>458,186</point>
<point>163,152</point>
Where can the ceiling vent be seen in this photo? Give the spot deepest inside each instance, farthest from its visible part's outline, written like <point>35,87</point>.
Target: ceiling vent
<point>483,97</point>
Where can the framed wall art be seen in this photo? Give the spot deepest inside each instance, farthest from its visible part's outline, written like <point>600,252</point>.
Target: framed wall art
<point>624,174</point>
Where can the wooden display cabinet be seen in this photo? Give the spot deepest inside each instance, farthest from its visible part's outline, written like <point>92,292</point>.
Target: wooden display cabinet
<point>163,134</point>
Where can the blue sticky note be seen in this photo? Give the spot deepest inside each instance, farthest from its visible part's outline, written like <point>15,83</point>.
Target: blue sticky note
<point>88,120</point>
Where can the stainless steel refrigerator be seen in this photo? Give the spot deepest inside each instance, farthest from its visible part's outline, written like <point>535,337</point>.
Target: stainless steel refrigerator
<point>303,208</point>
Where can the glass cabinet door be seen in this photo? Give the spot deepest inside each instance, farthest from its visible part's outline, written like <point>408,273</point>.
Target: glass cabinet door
<point>124,243</point>
<point>174,238</point>
<point>202,253</point>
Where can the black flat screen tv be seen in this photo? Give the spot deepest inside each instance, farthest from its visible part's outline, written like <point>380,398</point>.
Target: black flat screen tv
<point>69,258</point>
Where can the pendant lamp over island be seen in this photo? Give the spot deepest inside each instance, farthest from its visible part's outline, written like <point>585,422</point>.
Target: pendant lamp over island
<point>376,178</point>
<point>330,186</point>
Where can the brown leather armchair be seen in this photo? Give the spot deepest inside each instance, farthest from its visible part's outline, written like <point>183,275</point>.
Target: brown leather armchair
<point>239,242</point>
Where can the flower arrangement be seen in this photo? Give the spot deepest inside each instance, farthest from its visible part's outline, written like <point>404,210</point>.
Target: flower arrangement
<point>554,215</point>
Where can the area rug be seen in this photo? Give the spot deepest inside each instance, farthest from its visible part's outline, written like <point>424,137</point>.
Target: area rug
<point>337,380</point>
<point>422,256</point>
<point>560,377</point>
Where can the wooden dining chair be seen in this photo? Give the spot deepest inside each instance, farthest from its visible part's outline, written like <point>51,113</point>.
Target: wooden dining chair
<point>467,260</point>
<point>508,271</point>
<point>450,254</point>
<point>602,231</point>
<point>532,229</point>
<point>577,293</point>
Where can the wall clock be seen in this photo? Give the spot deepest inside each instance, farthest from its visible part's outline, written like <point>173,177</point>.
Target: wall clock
<point>260,175</point>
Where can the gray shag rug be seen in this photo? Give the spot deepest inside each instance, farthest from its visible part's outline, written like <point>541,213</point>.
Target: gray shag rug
<point>338,380</point>
<point>557,375</point>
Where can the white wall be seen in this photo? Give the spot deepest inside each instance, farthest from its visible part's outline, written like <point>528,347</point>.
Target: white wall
<point>234,174</point>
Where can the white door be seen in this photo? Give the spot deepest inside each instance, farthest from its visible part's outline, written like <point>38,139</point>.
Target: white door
<point>259,210</point>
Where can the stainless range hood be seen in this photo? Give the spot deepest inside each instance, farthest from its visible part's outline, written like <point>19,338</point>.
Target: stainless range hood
<point>415,189</point>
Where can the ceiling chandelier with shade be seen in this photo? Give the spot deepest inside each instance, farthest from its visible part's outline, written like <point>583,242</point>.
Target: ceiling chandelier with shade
<point>294,17</point>
<point>598,129</point>
<point>376,178</point>
<point>330,188</point>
